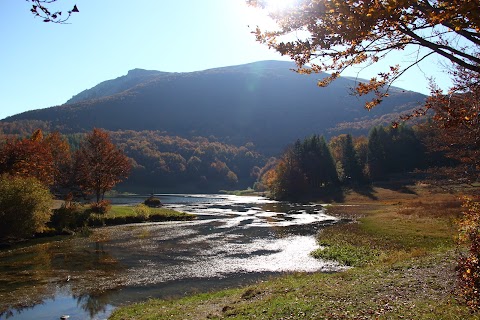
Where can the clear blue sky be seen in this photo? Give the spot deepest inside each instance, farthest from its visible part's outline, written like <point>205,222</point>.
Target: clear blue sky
<point>44,64</point>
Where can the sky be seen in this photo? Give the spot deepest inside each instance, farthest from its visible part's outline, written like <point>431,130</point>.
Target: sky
<point>44,64</point>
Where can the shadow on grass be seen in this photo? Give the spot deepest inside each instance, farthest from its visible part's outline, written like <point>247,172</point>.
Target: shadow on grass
<point>328,194</point>
<point>402,186</point>
<point>365,190</point>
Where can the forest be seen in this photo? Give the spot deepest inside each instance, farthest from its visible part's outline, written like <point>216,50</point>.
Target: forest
<point>309,167</point>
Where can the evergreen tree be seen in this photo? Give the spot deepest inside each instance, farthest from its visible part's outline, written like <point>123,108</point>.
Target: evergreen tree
<point>351,167</point>
<point>304,168</point>
<point>377,155</point>
<point>405,152</point>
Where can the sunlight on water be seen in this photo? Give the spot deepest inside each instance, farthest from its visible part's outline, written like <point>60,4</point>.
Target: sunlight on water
<point>233,240</point>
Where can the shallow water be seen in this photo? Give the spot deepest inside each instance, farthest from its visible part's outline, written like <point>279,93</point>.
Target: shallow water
<point>234,241</point>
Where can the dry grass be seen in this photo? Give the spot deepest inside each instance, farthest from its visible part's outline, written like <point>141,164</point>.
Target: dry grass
<point>412,275</point>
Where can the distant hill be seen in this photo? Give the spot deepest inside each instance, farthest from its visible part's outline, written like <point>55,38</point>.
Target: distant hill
<point>264,102</point>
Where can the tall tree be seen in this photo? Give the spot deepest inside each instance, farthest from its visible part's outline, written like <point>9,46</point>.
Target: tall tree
<point>332,35</point>
<point>99,164</point>
<point>456,125</point>
<point>348,166</point>
<point>62,160</point>
<point>28,157</point>
<point>305,168</point>
<point>377,156</point>
<point>287,181</point>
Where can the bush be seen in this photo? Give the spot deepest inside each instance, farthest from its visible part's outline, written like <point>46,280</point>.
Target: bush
<point>72,218</point>
<point>142,211</point>
<point>153,202</point>
<point>468,266</point>
<point>100,207</point>
<point>25,207</point>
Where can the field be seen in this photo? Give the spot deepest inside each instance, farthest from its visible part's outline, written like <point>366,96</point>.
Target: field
<point>401,244</point>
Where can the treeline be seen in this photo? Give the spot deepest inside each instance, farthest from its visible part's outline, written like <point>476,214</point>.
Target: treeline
<point>95,166</point>
<point>34,168</point>
<point>310,167</point>
<point>164,163</point>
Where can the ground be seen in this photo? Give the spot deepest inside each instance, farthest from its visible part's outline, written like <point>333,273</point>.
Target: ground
<point>405,239</point>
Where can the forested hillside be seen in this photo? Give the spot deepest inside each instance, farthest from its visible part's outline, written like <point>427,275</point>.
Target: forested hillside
<point>171,163</point>
<point>210,130</point>
<point>265,103</point>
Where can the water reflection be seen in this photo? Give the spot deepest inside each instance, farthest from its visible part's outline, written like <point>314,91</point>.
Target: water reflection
<point>235,240</point>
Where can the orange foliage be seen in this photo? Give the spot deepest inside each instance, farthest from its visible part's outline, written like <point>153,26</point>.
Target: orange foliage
<point>99,164</point>
<point>28,158</point>
<point>332,35</point>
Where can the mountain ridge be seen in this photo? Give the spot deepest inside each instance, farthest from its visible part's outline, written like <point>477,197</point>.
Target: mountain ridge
<point>262,102</point>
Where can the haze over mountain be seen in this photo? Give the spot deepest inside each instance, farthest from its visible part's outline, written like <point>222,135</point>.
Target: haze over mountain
<point>264,102</point>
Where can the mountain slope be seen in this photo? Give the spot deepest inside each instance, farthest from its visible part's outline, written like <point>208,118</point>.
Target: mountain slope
<point>264,102</point>
<point>114,86</point>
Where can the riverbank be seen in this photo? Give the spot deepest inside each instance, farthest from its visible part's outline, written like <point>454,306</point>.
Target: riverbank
<point>67,222</point>
<point>402,242</point>
<point>119,215</point>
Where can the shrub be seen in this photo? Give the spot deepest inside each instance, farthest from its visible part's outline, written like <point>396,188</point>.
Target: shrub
<point>25,206</point>
<point>142,211</point>
<point>70,217</point>
<point>153,202</point>
<point>468,266</point>
<point>100,207</point>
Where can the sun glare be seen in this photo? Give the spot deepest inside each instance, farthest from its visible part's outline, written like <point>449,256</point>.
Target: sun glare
<point>279,5</point>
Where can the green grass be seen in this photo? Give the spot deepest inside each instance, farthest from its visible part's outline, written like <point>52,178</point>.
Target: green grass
<point>136,214</point>
<point>246,192</point>
<point>404,257</point>
<point>126,211</point>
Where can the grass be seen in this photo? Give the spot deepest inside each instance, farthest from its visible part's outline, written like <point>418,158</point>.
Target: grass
<point>403,249</point>
<point>126,211</point>
<point>136,214</point>
<point>246,192</point>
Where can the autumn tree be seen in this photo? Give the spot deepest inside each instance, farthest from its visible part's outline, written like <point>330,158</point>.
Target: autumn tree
<point>99,164</point>
<point>455,131</point>
<point>361,148</point>
<point>305,168</point>
<point>28,157</point>
<point>61,160</point>
<point>287,181</point>
<point>332,35</point>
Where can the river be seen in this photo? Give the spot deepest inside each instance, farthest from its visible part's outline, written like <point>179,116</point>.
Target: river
<point>234,241</point>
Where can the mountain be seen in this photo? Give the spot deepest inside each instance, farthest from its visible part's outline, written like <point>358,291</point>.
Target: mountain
<point>110,87</point>
<point>264,102</point>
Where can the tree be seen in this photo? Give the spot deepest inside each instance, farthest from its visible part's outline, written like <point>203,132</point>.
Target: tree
<point>25,206</point>
<point>304,168</point>
<point>287,181</point>
<point>28,157</point>
<point>332,35</point>
<point>61,160</point>
<point>41,9</point>
<point>377,156</point>
<point>455,131</point>
<point>99,164</point>
<point>348,165</point>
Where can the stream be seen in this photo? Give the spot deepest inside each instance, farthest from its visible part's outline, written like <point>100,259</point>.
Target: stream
<point>235,240</point>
